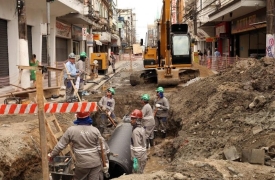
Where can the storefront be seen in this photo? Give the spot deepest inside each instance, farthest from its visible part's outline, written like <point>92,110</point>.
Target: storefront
<point>115,43</point>
<point>4,58</point>
<point>223,38</point>
<point>77,38</point>
<point>63,35</point>
<point>105,40</point>
<point>97,44</point>
<point>250,34</point>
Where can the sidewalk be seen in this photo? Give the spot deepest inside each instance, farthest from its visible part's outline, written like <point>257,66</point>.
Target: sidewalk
<point>99,81</point>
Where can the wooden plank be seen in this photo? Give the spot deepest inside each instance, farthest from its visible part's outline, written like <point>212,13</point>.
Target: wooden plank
<point>58,135</point>
<point>42,128</point>
<point>49,68</point>
<point>18,86</point>
<point>50,119</point>
<point>30,91</point>
<point>54,69</point>
<point>49,92</point>
<point>54,137</point>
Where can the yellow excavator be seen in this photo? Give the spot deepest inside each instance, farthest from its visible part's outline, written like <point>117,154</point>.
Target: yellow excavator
<point>171,62</point>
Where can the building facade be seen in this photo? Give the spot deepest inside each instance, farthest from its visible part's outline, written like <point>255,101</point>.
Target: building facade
<point>75,26</point>
<point>234,27</point>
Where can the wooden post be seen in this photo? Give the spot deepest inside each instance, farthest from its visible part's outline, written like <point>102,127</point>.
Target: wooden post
<point>42,127</point>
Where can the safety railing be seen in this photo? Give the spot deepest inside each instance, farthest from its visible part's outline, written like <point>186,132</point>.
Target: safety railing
<point>218,63</point>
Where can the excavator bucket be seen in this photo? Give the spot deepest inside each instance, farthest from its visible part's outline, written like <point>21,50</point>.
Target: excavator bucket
<point>167,79</point>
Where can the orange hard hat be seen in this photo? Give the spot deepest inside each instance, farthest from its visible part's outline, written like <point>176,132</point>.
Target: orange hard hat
<point>137,114</point>
<point>82,114</point>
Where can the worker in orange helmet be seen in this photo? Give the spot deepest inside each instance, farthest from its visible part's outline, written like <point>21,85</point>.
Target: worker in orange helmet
<point>85,139</point>
<point>138,142</point>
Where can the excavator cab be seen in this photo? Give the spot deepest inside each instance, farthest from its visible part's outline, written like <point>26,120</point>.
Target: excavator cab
<point>173,63</point>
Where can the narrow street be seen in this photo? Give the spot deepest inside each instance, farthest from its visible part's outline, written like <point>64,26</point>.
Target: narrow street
<point>186,88</point>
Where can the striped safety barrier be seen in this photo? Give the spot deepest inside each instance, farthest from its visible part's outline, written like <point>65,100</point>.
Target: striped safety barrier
<point>48,108</point>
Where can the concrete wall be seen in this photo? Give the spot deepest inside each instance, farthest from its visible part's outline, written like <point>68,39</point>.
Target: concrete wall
<point>8,12</point>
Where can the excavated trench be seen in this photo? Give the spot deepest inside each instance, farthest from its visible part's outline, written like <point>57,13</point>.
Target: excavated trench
<point>26,165</point>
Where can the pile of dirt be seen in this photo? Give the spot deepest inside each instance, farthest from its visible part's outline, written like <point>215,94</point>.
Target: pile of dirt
<point>223,110</point>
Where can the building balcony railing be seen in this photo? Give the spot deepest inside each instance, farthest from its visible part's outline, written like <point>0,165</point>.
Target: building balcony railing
<point>103,21</point>
<point>96,14</point>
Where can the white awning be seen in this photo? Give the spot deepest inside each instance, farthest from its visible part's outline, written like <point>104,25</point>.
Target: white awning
<point>98,42</point>
<point>114,36</point>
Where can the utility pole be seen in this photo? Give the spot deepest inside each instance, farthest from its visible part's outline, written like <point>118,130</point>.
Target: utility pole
<point>195,25</point>
<point>270,29</point>
<point>23,43</point>
<point>48,39</point>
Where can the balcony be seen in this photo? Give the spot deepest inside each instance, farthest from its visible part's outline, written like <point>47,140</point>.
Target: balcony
<point>96,15</point>
<point>235,9</point>
<point>102,21</point>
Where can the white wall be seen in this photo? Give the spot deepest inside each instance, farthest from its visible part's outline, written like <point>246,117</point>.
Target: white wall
<point>8,12</point>
<point>35,19</point>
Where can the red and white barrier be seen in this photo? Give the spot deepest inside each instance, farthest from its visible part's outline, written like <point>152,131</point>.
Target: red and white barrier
<point>48,108</point>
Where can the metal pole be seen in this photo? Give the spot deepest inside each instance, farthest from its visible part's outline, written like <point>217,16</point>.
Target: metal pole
<point>195,25</point>
<point>270,29</point>
<point>48,40</point>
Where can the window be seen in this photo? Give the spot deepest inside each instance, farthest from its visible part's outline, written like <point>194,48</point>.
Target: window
<point>180,45</point>
<point>76,47</point>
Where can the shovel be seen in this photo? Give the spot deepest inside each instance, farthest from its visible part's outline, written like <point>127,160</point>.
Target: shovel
<point>109,117</point>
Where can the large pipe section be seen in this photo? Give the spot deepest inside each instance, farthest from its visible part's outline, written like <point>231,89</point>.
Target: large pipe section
<point>119,143</point>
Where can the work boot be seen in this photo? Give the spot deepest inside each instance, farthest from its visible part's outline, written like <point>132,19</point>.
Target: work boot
<point>151,142</point>
<point>147,143</point>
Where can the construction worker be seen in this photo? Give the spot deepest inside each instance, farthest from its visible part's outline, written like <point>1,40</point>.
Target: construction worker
<point>71,74</point>
<point>138,142</point>
<point>113,62</point>
<point>161,107</point>
<point>85,140</point>
<point>148,120</point>
<point>107,104</point>
<point>80,65</point>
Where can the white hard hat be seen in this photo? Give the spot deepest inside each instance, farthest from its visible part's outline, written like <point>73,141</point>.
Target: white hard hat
<point>72,56</point>
<point>95,61</point>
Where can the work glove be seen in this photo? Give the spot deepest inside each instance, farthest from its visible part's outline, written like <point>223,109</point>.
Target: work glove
<point>158,105</point>
<point>104,108</point>
<point>135,164</point>
<point>109,113</point>
<point>106,168</point>
<point>50,158</point>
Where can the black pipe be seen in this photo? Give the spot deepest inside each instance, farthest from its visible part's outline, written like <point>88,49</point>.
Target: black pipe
<point>119,143</point>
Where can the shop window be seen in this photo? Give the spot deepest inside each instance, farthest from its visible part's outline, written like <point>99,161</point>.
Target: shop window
<point>76,47</point>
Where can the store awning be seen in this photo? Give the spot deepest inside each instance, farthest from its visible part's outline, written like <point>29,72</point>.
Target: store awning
<point>114,36</point>
<point>235,9</point>
<point>75,18</point>
<point>98,42</point>
<point>204,33</point>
